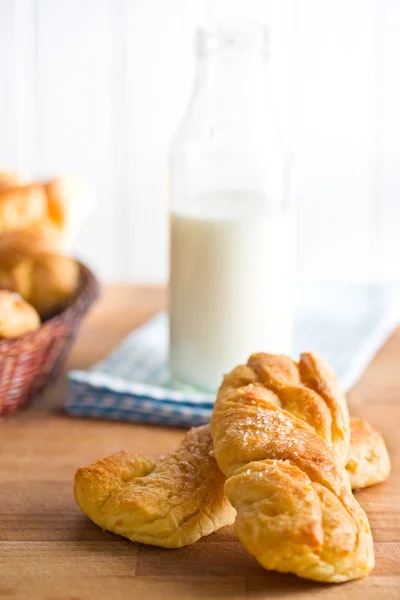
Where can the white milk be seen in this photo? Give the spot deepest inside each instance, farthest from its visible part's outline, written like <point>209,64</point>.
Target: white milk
<point>231,284</point>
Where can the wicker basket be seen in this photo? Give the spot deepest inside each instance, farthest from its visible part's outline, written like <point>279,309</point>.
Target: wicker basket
<point>30,362</point>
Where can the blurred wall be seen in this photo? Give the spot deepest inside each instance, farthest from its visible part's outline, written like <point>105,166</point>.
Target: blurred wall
<point>97,87</point>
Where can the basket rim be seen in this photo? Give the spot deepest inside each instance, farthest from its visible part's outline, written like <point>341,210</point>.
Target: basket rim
<point>89,289</point>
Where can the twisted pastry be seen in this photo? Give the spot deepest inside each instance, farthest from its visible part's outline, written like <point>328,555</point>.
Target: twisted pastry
<point>281,435</point>
<point>170,503</point>
<point>368,460</point>
<point>94,486</point>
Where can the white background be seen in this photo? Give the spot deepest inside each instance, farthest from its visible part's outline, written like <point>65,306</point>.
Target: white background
<point>97,87</point>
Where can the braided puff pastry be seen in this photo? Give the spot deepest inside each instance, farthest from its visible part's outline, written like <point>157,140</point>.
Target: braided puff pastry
<point>280,436</point>
<point>170,503</point>
<point>96,483</point>
<point>369,464</point>
<point>368,460</point>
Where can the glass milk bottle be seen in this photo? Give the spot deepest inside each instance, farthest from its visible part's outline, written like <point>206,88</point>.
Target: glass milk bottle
<point>231,221</point>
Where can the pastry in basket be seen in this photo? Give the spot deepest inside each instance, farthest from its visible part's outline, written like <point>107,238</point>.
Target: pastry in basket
<point>16,316</point>
<point>48,281</point>
<point>69,202</point>
<point>29,363</point>
<point>21,244</point>
<point>11,179</point>
<point>171,502</point>
<point>21,206</point>
<point>281,436</point>
<point>56,208</point>
<point>31,266</point>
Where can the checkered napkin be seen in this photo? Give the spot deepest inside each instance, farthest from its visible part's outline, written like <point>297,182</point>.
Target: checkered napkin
<point>345,324</point>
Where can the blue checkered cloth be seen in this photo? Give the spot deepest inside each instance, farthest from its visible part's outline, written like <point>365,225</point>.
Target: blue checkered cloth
<point>344,324</point>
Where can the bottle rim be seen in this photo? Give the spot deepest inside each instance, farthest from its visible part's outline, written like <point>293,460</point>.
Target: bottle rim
<point>231,35</point>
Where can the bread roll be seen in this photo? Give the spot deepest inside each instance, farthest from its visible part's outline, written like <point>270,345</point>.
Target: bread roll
<point>56,208</point>
<point>10,179</point>
<point>47,281</point>
<point>69,202</point>
<point>16,316</point>
<point>21,244</point>
<point>22,206</point>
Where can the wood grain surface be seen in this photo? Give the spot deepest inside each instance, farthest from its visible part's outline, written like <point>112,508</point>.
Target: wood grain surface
<point>50,550</point>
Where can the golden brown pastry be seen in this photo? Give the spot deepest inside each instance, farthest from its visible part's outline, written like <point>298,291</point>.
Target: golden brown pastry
<point>31,266</point>
<point>170,503</point>
<point>69,201</point>
<point>56,208</point>
<point>22,206</point>
<point>21,244</point>
<point>94,484</point>
<point>48,281</point>
<point>368,460</point>
<point>92,489</point>
<point>10,179</point>
<point>16,316</point>
<point>280,437</point>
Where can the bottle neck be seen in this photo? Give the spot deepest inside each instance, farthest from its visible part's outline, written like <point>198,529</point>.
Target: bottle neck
<point>231,73</point>
<point>231,83</point>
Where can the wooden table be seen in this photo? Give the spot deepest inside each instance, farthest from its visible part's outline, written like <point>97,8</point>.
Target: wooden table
<point>50,550</point>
